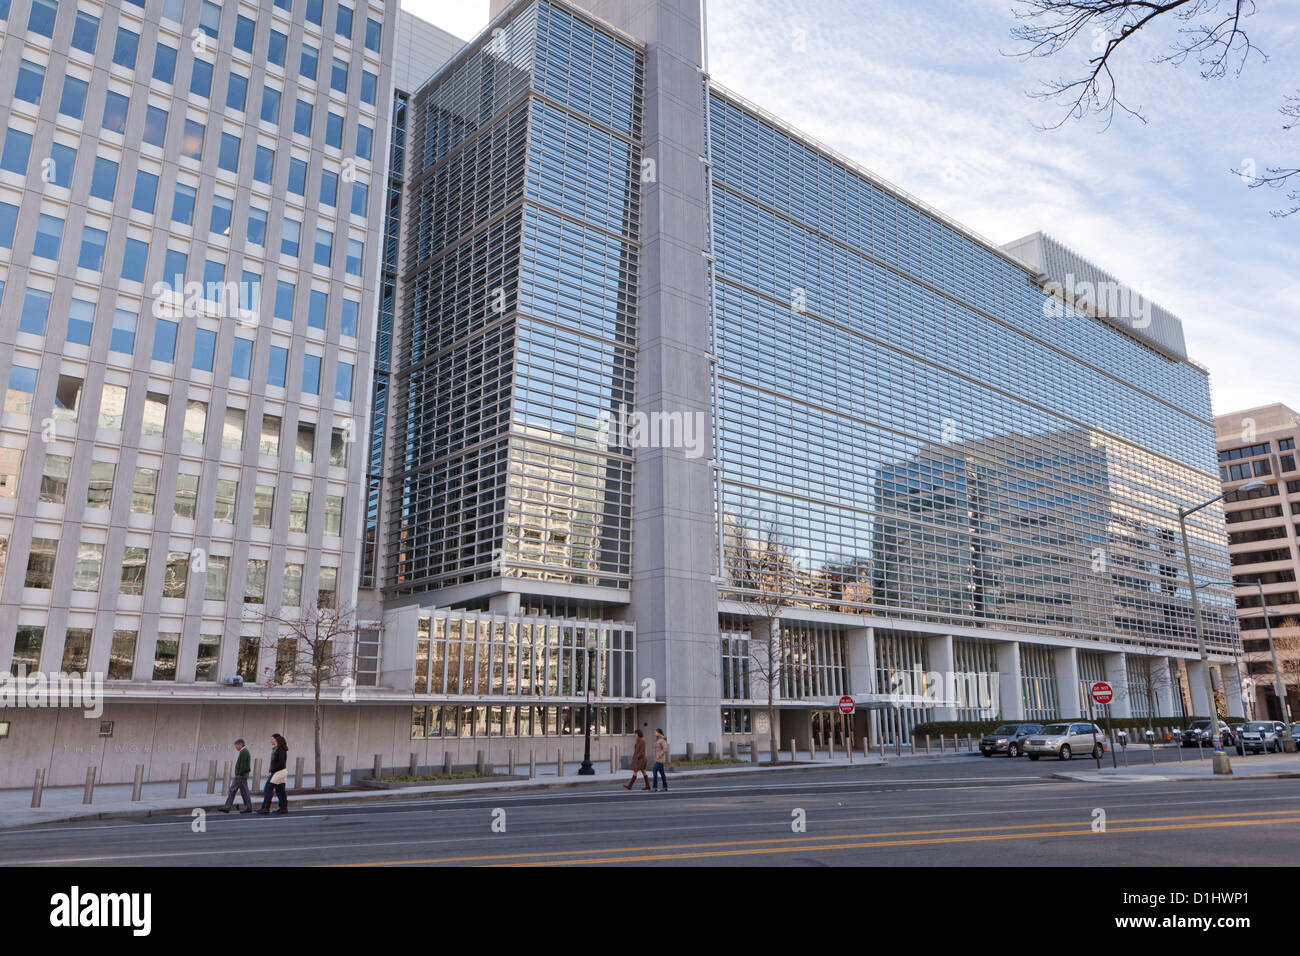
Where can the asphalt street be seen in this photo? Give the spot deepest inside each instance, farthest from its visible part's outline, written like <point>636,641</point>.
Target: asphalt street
<point>952,812</point>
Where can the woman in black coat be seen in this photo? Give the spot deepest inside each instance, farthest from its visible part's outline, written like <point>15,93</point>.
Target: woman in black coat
<point>274,784</point>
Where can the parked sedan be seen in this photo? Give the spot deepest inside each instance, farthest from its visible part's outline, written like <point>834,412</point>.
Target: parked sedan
<point>1198,734</point>
<point>1065,740</point>
<point>1008,739</point>
<point>1262,736</point>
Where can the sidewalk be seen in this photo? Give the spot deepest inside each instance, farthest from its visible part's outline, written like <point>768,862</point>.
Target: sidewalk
<point>62,804</point>
<point>1260,767</point>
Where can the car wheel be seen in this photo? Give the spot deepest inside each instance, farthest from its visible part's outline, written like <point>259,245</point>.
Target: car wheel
<point>987,753</point>
<point>1241,752</point>
<point>1066,754</point>
<point>1096,751</point>
<point>1013,751</point>
<point>1033,756</point>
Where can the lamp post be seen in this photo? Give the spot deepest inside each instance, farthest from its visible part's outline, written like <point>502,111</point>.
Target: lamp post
<point>1200,625</point>
<point>587,770</point>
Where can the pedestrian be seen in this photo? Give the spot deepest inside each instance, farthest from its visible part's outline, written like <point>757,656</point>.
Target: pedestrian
<point>661,758</point>
<point>638,763</point>
<point>239,782</point>
<point>275,783</point>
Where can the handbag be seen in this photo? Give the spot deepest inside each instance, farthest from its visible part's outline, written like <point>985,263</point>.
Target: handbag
<point>279,777</point>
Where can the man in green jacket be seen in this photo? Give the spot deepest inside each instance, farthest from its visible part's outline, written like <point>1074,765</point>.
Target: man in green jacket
<point>239,782</point>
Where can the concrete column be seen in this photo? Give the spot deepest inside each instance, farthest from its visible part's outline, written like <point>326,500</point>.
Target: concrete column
<point>1116,665</point>
<point>1066,660</point>
<point>397,657</point>
<point>1011,699</point>
<point>1231,677</point>
<point>507,603</point>
<point>940,658</point>
<point>860,644</point>
<point>1196,684</point>
<point>1163,686</point>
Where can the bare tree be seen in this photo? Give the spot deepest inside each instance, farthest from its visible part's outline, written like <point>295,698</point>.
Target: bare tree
<point>313,645</point>
<point>1210,33</point>
<point>765,581</point>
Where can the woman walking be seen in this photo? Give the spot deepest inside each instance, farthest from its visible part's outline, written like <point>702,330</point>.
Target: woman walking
<point>661,758</point>
<point>638,763</point>
<point>276,782</point>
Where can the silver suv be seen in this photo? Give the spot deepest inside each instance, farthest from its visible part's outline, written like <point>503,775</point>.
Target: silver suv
<point>1261,736</point>
<point>1008,739</point>
<point>1066,740</point>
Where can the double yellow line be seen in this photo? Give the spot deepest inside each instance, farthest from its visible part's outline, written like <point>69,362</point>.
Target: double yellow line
<point>853,841</point>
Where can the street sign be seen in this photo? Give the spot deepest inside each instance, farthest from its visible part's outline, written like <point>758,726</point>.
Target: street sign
<point>591,697</point>
<point>847,706</point>
<point>1102,693</point>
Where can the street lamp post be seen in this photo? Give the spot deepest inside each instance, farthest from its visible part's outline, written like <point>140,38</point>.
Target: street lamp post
<point>587,770</point>
<point>1200,625</point>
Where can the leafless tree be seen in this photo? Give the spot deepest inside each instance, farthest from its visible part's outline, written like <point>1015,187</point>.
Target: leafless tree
<point>1210,33</point>
<point>313,645</point>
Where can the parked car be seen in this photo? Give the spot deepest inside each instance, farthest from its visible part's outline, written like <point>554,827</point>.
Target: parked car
<point>1198,734</point>
<point>1262,736</point>
<point>1008,739</point>
<point>1065,740</point>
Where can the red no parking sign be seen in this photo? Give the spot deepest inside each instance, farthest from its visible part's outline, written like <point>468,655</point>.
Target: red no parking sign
<point>1102,693</point>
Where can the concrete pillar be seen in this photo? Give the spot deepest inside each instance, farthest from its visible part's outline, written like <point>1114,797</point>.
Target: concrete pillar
<point>397,660</point>
<point>1196,684</point>
<point>1163,686</point>
<point>1231,677</point>
<point>1068,695</point>
<point>507,603</point>
<point>1010,699</point>
<point>860,643</point>
<point>1116,665</point>
<point>940,657</point>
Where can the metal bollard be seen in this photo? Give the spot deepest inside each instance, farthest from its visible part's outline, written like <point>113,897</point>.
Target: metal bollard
<point>559,762</point>
<point>480,764</point>
<point>88,795</point>
<point>257,774</point>
<point>137,787</point>
<point>212,776</point>
<point>613,765</point>
<point>690,752</point>
<point>224,783</point>
<point>943,744</point>
<point>413,767</point>
<point>446,764</point>
<point>532,765</point>
<point>510,761</point>
<point>338,771</point>
<point>38,787</point>
<point>927,743</point>
<point>794,751</point>
<point>184,787</point>
<point>753,751</point>
<point>297,773</point>
<point>898,746</point>
<point>731,751</point>
<point>830,747</point>
<point>866,747</point>
<point>713,750</point>
<point>914,745</point>
<point>377,769</point>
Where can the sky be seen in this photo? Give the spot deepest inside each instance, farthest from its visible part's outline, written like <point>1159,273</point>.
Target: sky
<point>925,96</point>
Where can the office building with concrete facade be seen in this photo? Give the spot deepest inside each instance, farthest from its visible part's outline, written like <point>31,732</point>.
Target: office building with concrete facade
<point>1259,444</point>
<point>620,338</point>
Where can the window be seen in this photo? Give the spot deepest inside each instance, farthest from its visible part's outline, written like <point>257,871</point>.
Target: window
<point>177,574</point>
<point>369,87</point>
<point>244,29</point>
<point>205,665</point>
<point>343,382</point>
<point>196,420</point>
<point>103,181</point>
<point>123,337</point>
<point>298,176</point>
<point>311,374</point>
<point>256,234</point>
<point>263,164</point>
<point>17,150</point>
<point>228,155</point>
<point>241,359</point>
<point>343,21</point>
<point>216,578</point>
<point>40,563</point>
<point>22,386</point>
<point>302,118</point>
<point>8,221</point>
<point>40,19</point>
<point>135,253</point>
<point>192,141</point>
<point>210,18</point>
<point>205,349</point>
<point>27,648</point>
<point>90,562</point>
<point>334,130</point>
<point>36,311</point>
<point>222,212</point>
<point>255,582</point>
<point>144,491</point>
<point>356,250</point>
<point>324,250</point>
<point>329,188</point>
<point>67,398</point>
<point>73,101</point>
<point>201,79</point>
<point>214,276</point>
<point>81,321</point>
<point>155,412</point>
<point>365,136</point>
<point>269,442</point>
<point>305,447</point>
<point>99,493</point>
<point>276,47</point>
<point>54,479</point>
<point>360,198</point>
<point>112,406</point>
<point>328,587</point>
<point>374,30</point>
<point>338,448</point>
<point>85,32</point>
<point>31,81</point>
<point>348,317</point>
<point>164,63</point>
<point>135,561</point>
<point>121,656</point>
<point>289,238</point>
<point>155,126</point>
<point>339,75</point>
<point>232,430</point>
<point>291,587</point>
<point>115,106</point>
<point>183,204</point>
<point>316,306</point>
<point>63,159</point>
<point>284,293</point>
<point>299,507</point>
<point>49,236</point>
<point>164,341</point>
<point>76,645</point>
<point>146,191</point>
<point>270,105</point>
<point>223,508</point>
<point>314,10</point>
<point>164,658</point>
<point>263,505</point>
<point>93,243</point>
<point>334,515</point>
<point>307,63</point>
<point>124,50</point>
<point>174,10</point>
<point>185,502</point>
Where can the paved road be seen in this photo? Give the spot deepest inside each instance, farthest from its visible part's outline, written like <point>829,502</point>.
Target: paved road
<point>966,811</point>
